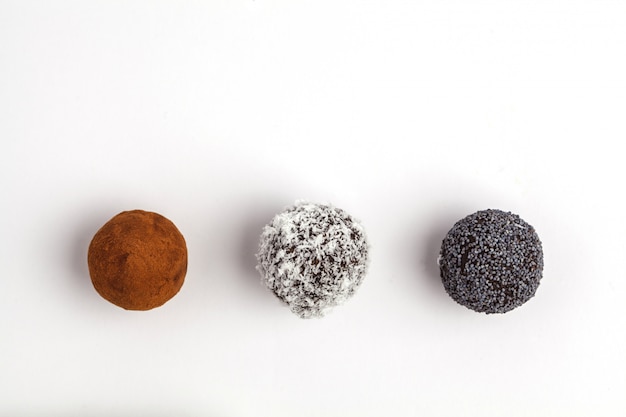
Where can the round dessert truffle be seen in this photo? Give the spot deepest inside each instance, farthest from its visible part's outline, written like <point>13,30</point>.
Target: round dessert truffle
<point>138,260</point>
<point>491,261</point>
<point>313,257</point>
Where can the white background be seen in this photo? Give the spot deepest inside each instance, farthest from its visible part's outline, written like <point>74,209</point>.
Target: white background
<point>218,114</point>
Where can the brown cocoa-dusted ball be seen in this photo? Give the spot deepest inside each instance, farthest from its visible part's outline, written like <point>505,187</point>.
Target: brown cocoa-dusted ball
<point>138,260</point>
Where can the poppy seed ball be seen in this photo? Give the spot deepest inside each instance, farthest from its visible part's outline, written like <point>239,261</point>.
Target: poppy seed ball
<point>491,261</point>
<point>313,257</point>
<point>137,260</point>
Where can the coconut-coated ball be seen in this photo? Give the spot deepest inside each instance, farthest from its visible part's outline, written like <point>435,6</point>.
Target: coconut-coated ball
<point>491,261</point>
<point>313,257</point>
<point>138,260</point>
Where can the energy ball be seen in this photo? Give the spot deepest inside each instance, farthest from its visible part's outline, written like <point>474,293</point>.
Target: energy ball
<point>491,261</point>
<point>138,260</point>
<point>313,257</point>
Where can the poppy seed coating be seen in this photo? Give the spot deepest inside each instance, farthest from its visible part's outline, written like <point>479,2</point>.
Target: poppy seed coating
<point>313,257</point>
<point>491,261</point>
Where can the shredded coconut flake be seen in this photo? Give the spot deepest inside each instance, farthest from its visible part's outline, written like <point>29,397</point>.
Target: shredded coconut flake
<point>313,257</point>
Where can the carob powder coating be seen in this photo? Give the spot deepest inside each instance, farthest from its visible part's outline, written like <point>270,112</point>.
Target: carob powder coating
<point>313,257</point>
<point>138,260</point>
<point>491,261</point>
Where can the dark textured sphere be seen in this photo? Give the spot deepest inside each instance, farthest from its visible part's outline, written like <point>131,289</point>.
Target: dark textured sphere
<point>491,261</point>
<point>313,257</point>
